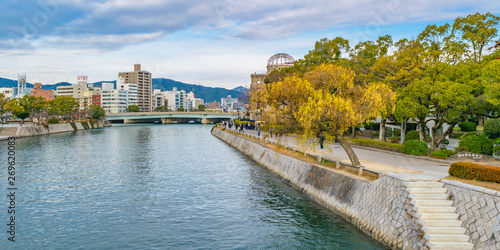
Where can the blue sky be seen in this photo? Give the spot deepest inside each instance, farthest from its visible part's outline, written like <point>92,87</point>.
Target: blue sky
<point>208,42</point>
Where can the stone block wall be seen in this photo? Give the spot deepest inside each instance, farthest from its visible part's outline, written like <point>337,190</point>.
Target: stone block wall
<point>381,208</point>
<point>479,210</point>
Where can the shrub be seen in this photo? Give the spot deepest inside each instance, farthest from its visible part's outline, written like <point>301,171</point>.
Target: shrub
<point>467,126</point>
<point>396,132</point>
<point>492,128</point>
<point>443,153</point>
<point>473,171</point>
<point>479,144</point>
<point>53,120</point>
<point>412,135</point>
<point>394,139</point>
<point>445,142</point>
<point>376,134</point>
<point>458,149</point>
<point>377,144</point>
<point>456,135</point>
<point>496,150</point>
<point>415,147</point>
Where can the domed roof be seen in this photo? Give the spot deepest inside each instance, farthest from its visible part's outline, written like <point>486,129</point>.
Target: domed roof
<point>280,59</point>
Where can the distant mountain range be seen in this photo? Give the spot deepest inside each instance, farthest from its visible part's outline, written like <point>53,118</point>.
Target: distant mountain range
<point>208,94</point>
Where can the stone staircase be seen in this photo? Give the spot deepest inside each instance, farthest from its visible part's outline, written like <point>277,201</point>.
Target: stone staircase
<point>438,217</point>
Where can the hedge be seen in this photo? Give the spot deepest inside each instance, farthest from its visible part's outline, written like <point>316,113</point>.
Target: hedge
<point>53,120</point>
<point>412,135</point>
<point>467,126</point>
<point>479,144</point>
<point>442,154</point>
<point>377,144</point>
<point>492,128</point>
<point>474,171</point>
<point>415,147</point>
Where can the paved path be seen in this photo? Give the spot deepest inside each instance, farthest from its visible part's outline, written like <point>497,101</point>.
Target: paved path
<point>408,167</point>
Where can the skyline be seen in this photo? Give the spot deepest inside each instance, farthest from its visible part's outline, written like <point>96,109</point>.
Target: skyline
<point>215,44</point>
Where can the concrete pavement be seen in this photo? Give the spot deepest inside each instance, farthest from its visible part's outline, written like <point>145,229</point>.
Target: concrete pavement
<point>408,167</point>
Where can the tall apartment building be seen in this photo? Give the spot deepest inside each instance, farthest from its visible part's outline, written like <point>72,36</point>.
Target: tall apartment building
<point>144,86</point>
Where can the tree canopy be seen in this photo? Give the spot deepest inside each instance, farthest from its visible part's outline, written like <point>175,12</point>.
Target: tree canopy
<point>449,73</point>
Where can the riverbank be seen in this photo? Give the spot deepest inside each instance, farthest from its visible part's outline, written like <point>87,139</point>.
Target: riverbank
<point>401,210</point>
<point>35,130</point>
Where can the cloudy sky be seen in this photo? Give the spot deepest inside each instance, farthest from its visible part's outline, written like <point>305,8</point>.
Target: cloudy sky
<point>208,42</point>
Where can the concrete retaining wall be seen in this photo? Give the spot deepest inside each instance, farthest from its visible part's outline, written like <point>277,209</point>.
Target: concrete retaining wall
<point>479,210</point>
<point>25,131</point>
<point>381,208</point>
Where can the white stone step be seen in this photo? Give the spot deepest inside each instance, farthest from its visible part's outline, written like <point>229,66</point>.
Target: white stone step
<point>448,238</point>
<point>451,245</point>
<point>444,230</point>
<point>433,202</point>
<point>442,223</point>
<point>439,216</point>
<point>425,184</point>
<point>427,190</point>
<point>436,209</point>
<point>431,196</point>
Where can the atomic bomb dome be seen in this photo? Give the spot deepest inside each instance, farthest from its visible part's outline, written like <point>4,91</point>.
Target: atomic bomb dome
<point>279,61</point>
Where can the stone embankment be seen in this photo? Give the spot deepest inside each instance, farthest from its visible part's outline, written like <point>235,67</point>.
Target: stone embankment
<point>401,213</point>
<point>26,131</point>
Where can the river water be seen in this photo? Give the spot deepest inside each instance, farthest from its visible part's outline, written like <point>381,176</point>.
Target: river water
<point>161,187</point>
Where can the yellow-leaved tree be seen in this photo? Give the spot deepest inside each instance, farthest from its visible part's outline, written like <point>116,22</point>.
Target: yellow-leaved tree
<point>336,103</point>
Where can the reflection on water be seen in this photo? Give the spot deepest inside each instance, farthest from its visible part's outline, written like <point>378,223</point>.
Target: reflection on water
<point>161,186</point>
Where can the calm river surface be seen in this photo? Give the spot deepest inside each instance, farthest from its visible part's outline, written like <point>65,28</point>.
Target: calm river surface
<point>158,186</point>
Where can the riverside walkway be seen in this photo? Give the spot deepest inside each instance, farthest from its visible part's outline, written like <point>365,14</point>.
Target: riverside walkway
<point>407,166</point>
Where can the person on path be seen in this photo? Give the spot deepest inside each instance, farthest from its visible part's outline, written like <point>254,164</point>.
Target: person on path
<point>321,140</point>
<point>271,134</point>
<point>258,132</point>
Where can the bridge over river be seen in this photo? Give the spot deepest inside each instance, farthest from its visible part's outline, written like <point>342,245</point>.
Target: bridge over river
<point>170,117</point>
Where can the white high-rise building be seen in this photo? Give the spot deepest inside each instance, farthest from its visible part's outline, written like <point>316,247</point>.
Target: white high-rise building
<point>116,100</point>
<point>130,87</point>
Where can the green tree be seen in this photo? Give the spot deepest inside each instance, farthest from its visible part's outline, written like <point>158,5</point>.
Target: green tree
<point>160,108</point>
<point>477,31</point>
<point>96,112</point>
<point>181,109</point>
<point>35,106</point>
<point>326,51</point>
<point>201,107</point>
<point>14,107</point>
<point>63,105</point>
<point>3,100</point>
<point>133,108</point>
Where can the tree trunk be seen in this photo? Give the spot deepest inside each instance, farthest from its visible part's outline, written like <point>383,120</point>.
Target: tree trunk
<point>353,132</point>
<point>403,131</point>
<point>347,147</point>
<point>383,130</point>
<point>480,121</point>
<point>340,139</point>
<point>438,141</point>
<point>422,130</point>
